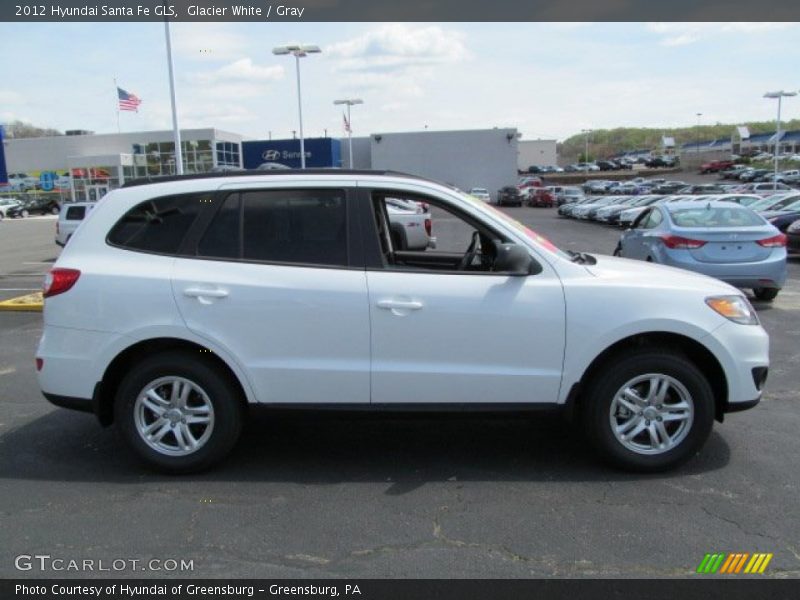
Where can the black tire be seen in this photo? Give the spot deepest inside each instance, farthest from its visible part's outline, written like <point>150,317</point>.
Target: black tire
<point>624,367</point>
<point>25,214</point>
<point>55,210</point>
<point>766,294</point>
<point>222,391</point>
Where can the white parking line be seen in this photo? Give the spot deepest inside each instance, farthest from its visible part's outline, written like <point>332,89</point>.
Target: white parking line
<point>18,289</point>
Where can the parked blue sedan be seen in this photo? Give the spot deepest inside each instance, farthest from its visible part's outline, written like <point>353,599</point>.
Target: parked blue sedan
<point>720,239</point>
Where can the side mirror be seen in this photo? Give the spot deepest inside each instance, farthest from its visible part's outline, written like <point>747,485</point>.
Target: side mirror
<point>515,260</point>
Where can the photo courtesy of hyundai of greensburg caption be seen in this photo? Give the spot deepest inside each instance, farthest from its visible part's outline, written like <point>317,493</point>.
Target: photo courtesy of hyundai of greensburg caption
<point>381,301</point>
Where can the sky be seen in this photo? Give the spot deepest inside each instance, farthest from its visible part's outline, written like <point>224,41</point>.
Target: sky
<point>549,80</point>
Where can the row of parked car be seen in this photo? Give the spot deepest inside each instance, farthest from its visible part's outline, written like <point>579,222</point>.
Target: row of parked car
<point>751,174</point>
<point>13,208</point>
<point>740,238</point>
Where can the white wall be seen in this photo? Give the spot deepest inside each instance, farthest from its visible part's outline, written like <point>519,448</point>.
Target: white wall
<point>484,158</point>
<point>541,153</point>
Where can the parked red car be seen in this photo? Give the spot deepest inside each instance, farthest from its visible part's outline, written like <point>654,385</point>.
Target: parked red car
<point>715,166</point>
<point>541,198</point>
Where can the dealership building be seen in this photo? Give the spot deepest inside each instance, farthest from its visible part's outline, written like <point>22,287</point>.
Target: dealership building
<point>85,165</point>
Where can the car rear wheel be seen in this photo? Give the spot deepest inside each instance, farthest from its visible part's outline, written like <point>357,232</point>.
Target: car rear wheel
<point>648,410</point>
<point>178,412</point>
<point>54,210</point>
<point>25,214</point>
<point>766,294</point>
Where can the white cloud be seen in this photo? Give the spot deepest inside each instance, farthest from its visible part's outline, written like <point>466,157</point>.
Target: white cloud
<point>398,46</point>
<point>243,70</point>
<point>681,34</point>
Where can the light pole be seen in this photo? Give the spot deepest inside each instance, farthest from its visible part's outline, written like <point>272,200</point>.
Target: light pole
<point>586,133</point>
<point>697,137</point>
<point>349,102</point>
<point>779,95</point>
<point>298,52</point>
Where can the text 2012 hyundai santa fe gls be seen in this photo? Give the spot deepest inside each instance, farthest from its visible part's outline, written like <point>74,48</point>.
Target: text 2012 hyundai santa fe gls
<point>178,303</point>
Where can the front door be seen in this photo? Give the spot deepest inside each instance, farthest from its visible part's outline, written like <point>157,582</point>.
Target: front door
<point>446,329</point>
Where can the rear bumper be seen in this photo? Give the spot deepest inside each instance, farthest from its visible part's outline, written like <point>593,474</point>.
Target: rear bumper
<point>81,404</point>
<point>769,273</point>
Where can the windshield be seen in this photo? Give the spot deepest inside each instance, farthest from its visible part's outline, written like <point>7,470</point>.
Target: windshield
<point>716,216</point>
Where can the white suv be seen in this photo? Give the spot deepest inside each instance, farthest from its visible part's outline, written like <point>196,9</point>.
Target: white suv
<point>179,303</point>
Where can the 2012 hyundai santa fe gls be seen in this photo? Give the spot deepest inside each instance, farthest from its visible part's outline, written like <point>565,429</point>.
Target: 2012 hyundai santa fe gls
<point>178,303</point>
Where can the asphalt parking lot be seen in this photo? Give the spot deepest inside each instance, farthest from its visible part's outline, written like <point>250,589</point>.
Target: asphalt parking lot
<point>327,495</point>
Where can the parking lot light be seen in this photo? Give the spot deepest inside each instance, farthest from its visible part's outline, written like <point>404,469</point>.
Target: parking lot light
<point>298,51</point>
<point>779,95</point>
<point>586,133</point>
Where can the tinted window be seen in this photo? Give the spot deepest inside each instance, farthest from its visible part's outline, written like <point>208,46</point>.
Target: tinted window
<point>296,226</point>
<point>222,238</point>
<point>158,225</point>
<point>75,213</point>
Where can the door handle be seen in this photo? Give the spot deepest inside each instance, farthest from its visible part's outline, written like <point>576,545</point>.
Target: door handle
<point>203,295</point>
<point>399,304</point>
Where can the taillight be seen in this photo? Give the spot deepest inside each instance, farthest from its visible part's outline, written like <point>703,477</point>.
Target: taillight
<point>39,363</point>
<point>678,242</point>
<point>428,226</point>
<point>58,281</point>
<point>776,241</point>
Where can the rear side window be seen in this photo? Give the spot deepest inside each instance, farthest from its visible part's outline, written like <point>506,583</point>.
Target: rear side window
<point>285,226</point>
<point>158,225</point>
<point>75,213</point>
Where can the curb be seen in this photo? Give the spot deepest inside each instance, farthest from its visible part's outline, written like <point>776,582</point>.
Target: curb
<point>30,302</point>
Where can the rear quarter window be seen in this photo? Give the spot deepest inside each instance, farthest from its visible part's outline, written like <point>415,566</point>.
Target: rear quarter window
<point>75,213</point>
<point>158,225</point>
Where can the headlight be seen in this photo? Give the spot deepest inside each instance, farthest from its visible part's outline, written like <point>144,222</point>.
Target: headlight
<point>734,308</point>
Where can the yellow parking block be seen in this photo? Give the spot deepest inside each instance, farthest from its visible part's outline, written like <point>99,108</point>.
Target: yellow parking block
<point>30,302</point>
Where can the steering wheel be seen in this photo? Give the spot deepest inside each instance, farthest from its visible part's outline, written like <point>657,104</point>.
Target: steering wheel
<point>469,255</point>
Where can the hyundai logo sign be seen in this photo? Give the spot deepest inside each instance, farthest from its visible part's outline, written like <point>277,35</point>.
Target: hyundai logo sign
<point>273,155</point>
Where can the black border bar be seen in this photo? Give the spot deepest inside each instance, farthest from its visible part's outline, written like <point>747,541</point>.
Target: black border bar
<point>699,587</point>
<point>394,10</point>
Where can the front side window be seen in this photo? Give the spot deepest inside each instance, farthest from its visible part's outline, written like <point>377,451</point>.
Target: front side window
<point>158,225</point>
<point>284,226</point>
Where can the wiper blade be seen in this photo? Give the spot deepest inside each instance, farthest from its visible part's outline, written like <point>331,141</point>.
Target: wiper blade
<point>582,257</point>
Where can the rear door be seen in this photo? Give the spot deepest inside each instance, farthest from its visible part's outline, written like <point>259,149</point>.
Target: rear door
<point>271,278</point>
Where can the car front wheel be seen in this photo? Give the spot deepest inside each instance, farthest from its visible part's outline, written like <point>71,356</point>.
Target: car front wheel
<point>178,412</point>
<point>648,410</point>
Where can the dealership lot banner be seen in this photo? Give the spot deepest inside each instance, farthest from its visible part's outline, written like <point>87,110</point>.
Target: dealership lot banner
<point>391,10</point>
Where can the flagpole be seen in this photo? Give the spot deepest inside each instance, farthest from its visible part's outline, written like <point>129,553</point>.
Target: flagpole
<point>175,131</point>
<point>116,98</point>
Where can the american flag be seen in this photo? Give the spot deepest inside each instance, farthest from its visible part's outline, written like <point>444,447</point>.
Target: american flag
<point>128,101</point>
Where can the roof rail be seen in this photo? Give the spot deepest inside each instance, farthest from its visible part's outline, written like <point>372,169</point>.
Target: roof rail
<point>265,173</point>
